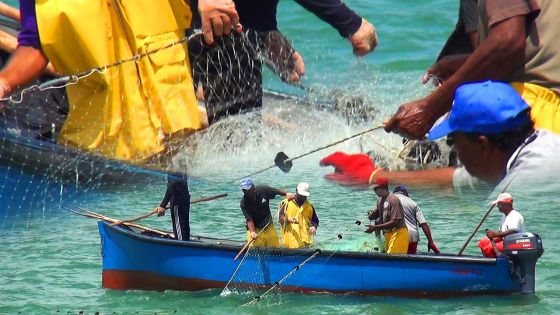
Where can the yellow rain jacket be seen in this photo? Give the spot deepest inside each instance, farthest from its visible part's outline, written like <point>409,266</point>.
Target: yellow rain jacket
<point>296,235</point>
<point>127,111</point>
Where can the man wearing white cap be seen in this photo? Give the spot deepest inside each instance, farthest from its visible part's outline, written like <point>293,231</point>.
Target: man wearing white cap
<point>512,222</point>
<point>298,219</point>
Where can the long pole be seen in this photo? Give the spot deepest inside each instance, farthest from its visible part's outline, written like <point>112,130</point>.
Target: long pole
<point>149,214</point>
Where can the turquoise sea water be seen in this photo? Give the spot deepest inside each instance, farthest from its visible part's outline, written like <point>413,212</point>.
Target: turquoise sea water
<point>50,261</point>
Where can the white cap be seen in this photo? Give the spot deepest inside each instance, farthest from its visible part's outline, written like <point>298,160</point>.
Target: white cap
<point>503,198</point>
<point>303,189</point>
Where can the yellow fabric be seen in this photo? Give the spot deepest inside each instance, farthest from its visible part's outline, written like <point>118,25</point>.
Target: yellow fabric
<point>267,238</point>
<point>297,235</point>
<point>128,111</point>
<point>396,241</point>
<point>545,105</point>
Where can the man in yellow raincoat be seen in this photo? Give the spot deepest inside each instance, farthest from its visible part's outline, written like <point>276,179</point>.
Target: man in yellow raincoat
<point>298,219</point>
<point>129,111</point>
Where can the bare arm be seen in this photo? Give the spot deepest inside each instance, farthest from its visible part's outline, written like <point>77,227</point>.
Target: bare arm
<point>9,11</point>
<point>497,56</point>
<point>387,225</point>
<point>25,65</point>
<point>427,232</point>
<point>282,213</point>
<point>501,53</point>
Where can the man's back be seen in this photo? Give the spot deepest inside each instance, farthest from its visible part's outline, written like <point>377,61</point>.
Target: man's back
<point>513,221</point>
<point>412,215</point>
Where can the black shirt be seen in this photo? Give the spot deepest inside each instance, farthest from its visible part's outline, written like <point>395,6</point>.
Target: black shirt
<point>260,15</point>
<point>177,191</point>
<point>258,209</point>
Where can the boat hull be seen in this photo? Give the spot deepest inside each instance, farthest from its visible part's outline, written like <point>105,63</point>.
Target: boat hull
<point>135,261</point>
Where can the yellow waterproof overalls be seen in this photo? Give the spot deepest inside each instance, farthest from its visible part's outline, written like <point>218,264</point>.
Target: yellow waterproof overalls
<point>127,111</point>
<point>296,235</point>
<point>544,103</point>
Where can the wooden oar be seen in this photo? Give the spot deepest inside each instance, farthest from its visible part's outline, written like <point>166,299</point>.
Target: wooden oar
<point>203,199</point>
<point>243,249</point>
<point>283,162</point>
<point>149,214</point>
<point>91,214</point>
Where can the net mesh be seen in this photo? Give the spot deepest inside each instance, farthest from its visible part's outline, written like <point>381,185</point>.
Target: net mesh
<point>39,176</point>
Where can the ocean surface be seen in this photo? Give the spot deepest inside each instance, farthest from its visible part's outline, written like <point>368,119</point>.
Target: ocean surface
<point>50,258</point>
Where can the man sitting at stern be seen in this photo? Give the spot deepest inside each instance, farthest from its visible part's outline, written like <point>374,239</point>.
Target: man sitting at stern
<point>512,222</point>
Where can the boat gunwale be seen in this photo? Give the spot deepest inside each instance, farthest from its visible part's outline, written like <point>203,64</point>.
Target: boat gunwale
<point>302,251</point>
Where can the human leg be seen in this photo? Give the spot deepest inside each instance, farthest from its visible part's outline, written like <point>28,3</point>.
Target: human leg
<point>180,219</point>
<point>412,248</point>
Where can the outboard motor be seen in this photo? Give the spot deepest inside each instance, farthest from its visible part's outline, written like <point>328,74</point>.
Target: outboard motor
<point>524,249</point>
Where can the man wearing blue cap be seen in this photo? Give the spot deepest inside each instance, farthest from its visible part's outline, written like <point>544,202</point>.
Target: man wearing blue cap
<point>491,129</point>
<point>414,218</point>
<point>255,205</point>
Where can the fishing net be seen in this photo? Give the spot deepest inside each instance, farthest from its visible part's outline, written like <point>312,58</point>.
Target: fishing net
<point>247,127</point>
<point>264,271</point>
<point>38,175</point>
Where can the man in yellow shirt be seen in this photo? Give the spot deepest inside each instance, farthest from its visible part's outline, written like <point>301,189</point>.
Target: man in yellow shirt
<point>298,219</point>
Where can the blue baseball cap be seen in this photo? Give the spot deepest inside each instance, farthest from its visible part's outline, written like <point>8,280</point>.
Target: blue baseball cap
<point>401,189</point>
<point>484,107</point>
<point>246,183</point>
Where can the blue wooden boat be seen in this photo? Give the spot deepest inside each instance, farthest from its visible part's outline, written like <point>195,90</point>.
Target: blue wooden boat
<point>132,260</point>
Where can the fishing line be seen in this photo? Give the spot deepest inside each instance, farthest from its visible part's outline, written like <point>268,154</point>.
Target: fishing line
<point>301,264</point>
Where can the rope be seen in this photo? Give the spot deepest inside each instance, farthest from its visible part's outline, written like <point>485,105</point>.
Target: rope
<point>74,78</point>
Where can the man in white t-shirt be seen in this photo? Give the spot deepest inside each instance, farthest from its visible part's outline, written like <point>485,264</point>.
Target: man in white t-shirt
<point>414,218</point>
<point>512,222</point>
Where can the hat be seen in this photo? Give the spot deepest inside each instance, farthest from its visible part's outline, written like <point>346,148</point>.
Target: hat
<point>246,183</point>
<point>485,107</point>
<point>503,198</point>
<point>401,189</point>
<point>303,189</point>
<point>381,181</point>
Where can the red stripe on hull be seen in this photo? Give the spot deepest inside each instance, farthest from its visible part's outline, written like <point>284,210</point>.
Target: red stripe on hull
<point>140,280</point>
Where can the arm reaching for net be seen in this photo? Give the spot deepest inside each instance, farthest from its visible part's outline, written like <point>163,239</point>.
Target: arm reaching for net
<point>358,170</point>
<point>357,30</point>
